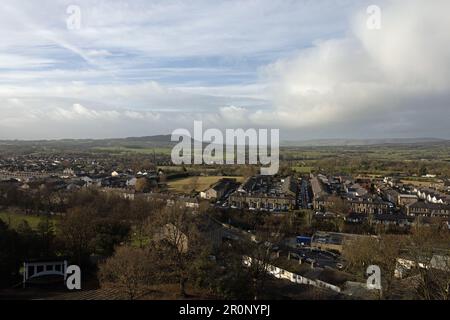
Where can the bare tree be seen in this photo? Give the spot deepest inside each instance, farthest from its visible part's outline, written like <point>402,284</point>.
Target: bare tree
<point>261,252</point>
<point>142,185</point>
<point>430,251</point>
<point>130,270</point>
<point>142,213</point>
<point>388,251</point>
<point>359,253</point>
<point>427,249</point>
<point>176,240</point>
<point>77,232</point>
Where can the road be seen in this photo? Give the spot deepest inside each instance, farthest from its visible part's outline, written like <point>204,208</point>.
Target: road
<point>304,196</point>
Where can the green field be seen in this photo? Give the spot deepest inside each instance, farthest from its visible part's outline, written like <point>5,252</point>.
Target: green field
<point>135,150</point>
<point>396,152</point>
<point>302,169</point>
<point>14,219</point>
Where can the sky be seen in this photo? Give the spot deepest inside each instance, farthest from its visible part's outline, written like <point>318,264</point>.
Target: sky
<point>315,69</point>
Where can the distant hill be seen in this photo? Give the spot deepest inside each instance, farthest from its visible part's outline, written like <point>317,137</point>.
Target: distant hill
<point>164,141</point>
<point>158,138</point>
<point>132,143</point>
<point>359,142</point>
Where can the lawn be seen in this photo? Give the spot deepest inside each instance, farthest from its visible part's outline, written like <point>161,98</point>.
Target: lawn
<point>14,219</point>
<point>302,169</point>
<point>186,185</point>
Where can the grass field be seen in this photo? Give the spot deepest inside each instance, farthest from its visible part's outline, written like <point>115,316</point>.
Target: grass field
<point>198,184</point>
<point>14,219</point>
<point>125,150</point>
<point>301,169</point>
<point>381,152</point>
<point>422,182</point>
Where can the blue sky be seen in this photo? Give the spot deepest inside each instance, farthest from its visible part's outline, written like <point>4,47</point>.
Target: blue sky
<point>310,68</point>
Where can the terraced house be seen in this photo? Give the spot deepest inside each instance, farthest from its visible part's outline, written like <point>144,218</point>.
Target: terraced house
<point>369,205</point>
<point>426,209</point>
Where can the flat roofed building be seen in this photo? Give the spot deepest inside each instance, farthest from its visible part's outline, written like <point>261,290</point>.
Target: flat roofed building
<point>333,240</point>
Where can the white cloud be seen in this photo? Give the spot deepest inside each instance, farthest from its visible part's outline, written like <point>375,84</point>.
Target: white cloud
<point>16,61</point>
<point>140,67</point>
<point>392,79</point>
